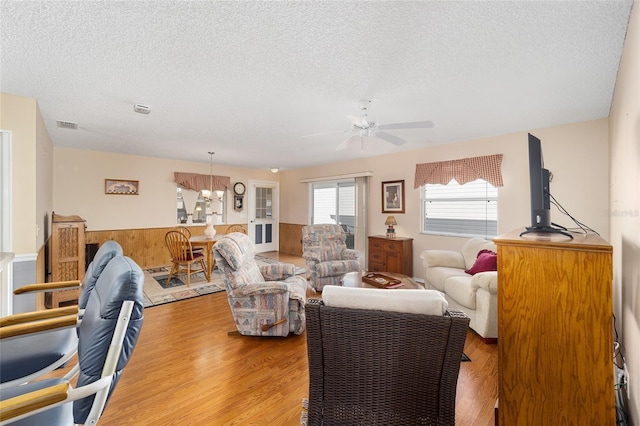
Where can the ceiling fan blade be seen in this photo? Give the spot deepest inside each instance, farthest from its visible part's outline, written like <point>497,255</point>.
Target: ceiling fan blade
<point>346,143</point>
<point>408,125</point>
<point>390,138</point>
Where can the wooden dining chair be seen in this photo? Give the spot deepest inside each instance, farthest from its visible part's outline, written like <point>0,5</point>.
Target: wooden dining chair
<point>186,231</point>
<point>183,257</point>
<point>237,228</point>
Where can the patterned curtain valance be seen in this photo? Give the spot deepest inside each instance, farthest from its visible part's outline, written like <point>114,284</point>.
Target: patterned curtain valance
<point>198,182</point>
<point>464,170</point>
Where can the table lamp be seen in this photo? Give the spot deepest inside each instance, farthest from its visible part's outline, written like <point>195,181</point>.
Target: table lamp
<point>391,220</point>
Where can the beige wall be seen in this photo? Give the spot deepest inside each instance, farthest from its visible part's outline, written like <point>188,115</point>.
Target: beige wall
<point>577,154</point>
<point>19,115</point>
<point>78,187</point>
<point>44,185</point>
<point>624,135</point>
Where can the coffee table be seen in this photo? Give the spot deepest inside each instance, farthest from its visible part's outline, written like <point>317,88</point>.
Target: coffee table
<point>354,279</point>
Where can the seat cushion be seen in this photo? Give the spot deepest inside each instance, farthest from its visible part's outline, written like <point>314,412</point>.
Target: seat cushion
<point>428,302</point>
<point>438,275</point>
<point>458,288</point>
<point>336,267</point>
<point>28,354</point>
<point>61,415</point>
<point>196,256</point>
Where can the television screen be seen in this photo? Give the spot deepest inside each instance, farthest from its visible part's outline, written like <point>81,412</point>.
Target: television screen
<point>539,185</point>
<point>540,192</point>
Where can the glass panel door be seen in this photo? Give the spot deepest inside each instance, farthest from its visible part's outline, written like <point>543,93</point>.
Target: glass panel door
<point>335,203</point>
<point>263,215</point>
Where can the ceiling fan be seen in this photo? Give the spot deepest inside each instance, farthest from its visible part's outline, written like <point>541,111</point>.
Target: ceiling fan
<point>363,126</point>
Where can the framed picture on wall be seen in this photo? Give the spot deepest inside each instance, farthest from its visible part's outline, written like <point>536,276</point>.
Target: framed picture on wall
<point>393,196</point>
<point>121,187</point>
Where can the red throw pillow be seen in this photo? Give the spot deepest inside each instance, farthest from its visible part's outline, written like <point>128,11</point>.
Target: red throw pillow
<point>486,261</point>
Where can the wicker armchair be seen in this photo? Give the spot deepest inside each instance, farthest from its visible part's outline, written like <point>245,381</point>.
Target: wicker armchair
<point>375,367</point>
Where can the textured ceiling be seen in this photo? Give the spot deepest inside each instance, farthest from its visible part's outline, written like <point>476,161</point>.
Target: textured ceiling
<point>249,79</point>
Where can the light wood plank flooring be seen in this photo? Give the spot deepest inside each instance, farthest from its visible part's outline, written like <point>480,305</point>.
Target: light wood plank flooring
<point>186,370</point>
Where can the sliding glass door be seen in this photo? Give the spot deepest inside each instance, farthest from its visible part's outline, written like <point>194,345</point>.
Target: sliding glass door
<point>341,202</point>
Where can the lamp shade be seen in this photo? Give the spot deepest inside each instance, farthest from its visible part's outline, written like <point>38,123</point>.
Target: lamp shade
<point>391,220</point>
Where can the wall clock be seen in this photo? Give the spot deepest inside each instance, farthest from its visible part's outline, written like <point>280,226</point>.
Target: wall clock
<point>239,188</point>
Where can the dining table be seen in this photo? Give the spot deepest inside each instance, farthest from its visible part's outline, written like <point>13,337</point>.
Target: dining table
<point>207,243</point>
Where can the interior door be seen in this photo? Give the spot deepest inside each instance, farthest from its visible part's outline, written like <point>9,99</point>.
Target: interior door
<point>263,206</point>
<point>6,271</point>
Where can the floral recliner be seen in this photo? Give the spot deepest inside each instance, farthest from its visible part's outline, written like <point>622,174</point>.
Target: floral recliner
<point>327,255</point>
<point>264,301</point>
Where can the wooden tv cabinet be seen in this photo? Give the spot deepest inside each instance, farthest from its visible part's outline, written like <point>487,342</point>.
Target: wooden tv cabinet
<point>555,338</point>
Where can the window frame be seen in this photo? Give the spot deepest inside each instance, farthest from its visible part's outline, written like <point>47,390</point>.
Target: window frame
<point>491,195</point>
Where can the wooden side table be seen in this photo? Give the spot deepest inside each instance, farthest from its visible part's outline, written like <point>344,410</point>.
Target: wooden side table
<point>391,255</point>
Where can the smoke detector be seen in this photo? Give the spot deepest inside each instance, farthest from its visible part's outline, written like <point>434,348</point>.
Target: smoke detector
<point>142,109</point>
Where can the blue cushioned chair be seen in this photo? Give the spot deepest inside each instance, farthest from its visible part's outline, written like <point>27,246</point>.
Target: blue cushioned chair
<point>327,256</point>
<point>32,355</point>
<point>107,336</point>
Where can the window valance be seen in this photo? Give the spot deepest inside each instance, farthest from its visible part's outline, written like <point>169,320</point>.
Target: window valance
<point>198,182</point>
<point>463,170</point>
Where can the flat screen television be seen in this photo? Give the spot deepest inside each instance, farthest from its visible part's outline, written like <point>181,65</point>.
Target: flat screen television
<point>540,193</point>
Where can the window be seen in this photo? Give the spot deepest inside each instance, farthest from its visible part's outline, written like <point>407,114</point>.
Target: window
<point>194,207</point>
<point>335,202</point>
<point>461,210</point>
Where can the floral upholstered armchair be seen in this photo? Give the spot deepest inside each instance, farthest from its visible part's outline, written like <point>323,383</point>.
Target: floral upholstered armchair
<point>327,255</point>
<point>265,301</point>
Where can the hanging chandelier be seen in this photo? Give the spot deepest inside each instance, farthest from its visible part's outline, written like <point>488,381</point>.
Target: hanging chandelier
<point>209,194</point>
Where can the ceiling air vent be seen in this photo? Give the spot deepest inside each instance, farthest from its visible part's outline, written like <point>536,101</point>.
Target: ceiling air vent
<point>67,125</point>
<point>142,109</point>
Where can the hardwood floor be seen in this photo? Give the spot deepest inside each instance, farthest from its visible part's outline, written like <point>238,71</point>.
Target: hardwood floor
<point>186,370</point>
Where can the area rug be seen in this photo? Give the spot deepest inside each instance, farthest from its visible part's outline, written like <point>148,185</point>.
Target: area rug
<point>174,282</point>
<point>156,292</point>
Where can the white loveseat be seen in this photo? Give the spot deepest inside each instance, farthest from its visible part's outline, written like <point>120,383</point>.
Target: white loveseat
<point>476,295</point>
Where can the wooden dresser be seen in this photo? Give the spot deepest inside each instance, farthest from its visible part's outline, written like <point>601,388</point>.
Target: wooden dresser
<point>555,343</point>
<point>67,257</point>
<point>391,255</point>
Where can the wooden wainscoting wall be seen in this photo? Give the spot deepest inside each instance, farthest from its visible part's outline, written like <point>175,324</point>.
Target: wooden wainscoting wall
<point>146,246</point>
<point>291,238</point>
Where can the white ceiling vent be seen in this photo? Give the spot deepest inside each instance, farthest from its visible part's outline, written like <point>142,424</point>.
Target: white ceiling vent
<point>142,109</point>
<point>67,125</point>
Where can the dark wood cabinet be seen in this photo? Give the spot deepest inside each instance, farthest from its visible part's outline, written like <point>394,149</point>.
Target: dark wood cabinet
<point>391,255</point>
